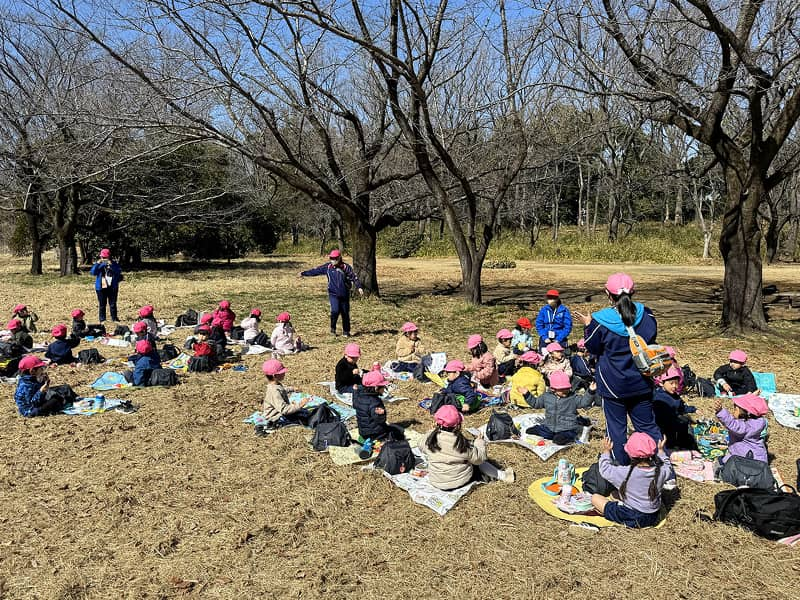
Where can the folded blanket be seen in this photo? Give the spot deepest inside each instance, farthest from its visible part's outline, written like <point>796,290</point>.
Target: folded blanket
<point>786,408</point>
<point>110,381</point>
<point>541,447</point>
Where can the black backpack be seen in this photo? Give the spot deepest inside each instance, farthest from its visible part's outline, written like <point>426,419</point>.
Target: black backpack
<point>9,366</point>
<point>90,356</point>
<point>261,340</point>
<point>97,330</point>
<point>168,352</point>
<point>396,457</point>
<point>237,333</point>
<point>187,319</point>
<point>501,427</point>
<point>322,414</point>
<point>11,350</point>
<point>162,377</point>
<point>745,471</point>
<point>772,515</point>
<point>441,399</point>
<point>594,483</point>
<point>330,434</point>
<point>200,364</point>
<point>65,392</point>
<point>705,388</point>
<point>689,377</point>
<point>120,330</point>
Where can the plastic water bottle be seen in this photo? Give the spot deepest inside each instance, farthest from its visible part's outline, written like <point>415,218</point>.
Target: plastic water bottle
<point>99,401</point>
<point>584,439</point>
<point>366,449</point>
<point>563,472</point>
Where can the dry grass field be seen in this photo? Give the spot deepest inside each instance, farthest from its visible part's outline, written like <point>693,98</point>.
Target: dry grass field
<point>182,500</point>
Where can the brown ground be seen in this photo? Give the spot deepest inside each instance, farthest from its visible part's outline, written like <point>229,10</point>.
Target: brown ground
<point>181,499</point>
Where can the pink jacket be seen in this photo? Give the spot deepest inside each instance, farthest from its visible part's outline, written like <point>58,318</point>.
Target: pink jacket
<point>227,316</point>
<point>485,370</point>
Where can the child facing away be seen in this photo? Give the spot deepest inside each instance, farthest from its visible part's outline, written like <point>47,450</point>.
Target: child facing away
<point>32,388</point>
<point>277,410</point>
<point>409,349</point>
<point>59,351</point>
<point>555,360</point>
<point>218,338</point>
<point>204,357</point>
<point>639,484</point>
<point>459,384</point>
<point>251,326</point>
<point>522,341</point>
<point>370,410</point>
<point>18,335</point>
<point>583,365</point>
<point>283,337</point>
<point>746,427</point>
<point>205,319</point>
<point>348,375</point>
<point>527,377</point>
<point>482,366</point>
<point>147,317</point>
<point>670,411</point>
<point>453,460</point>
<point>562,423</point>
<point>735,378</point>
<point>142,332</point>
<point>225,316</point>
<point>504,354</point>
<point>554,321</point>
<point>26,316</point>
<point>144,361</point>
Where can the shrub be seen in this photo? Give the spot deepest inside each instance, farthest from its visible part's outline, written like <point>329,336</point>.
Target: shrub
<point>403,241</point>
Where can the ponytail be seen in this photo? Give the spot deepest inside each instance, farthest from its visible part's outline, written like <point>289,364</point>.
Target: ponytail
<point>433,440</point>
<point>625,307</point>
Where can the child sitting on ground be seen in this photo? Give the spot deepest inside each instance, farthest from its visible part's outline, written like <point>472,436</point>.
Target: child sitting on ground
<point>562,423</point>
<point>454,461</point>
<point>59,351</point>
<point>504,355</point>
<point>32,388</point>
<point>555,361</point>
<point>225,316</point>
<point>277,410</point>
<point>482,366</point>
<point>639,484</point>
<point>554,321</point>
<point>746,427</point>
<point>218,339</point>
<point>348,375</point>
<point>459,384</point>
<point>79,327</point>
<point>205,319</point>
<point>142,332</point>
<point>673,355</point>
<point>670,411</point>
<point>18,335</point>
<point>146,316</point>
<point>27,317</point>
<point>583,366</point>
<point>205,358</point>
<point>144,361</point>
<point>522,341</point>
<point>370,410</point>
<point>527,377</point>
<point>735,378</point>
<point>283,339</point>
<point>251,326</point>
<point>409,349</point>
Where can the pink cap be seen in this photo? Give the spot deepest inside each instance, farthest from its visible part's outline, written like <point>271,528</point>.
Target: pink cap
<point>504,334</point>
<point>620,283</point>
<point>448,416</point>
<point>554,347</point>
<point>273,367</point>
<point>224,304</point>
<point>105,253</point>
<point>559,381</point>
<point>753,404</point>
<point>524,322</point>
<point>454,366</point>
<point>206,319</point>
<point>284,317</point>
<point>139,327</point>
<point>14,324</point>
<point>255,313</point>
<point>473,341</point>
<point>144,347</point>
<point>146,311</point>
<point>335,253</point>
<point>670,351</point>
<point>408,327</point>
<point>78,313</point>
<point>374,379</point>
<point>672,373</point>
<point>352,350</point>
<point>30,362</point>
<point>739,356</point>
<point>59,331</point>
<point>19,308</point>
<point>581,344</point>
<point>204,329</point>
<point>531,357</point>
<point>640,445</point>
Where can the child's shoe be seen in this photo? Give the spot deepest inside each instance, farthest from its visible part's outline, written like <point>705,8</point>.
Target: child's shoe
<point>508,476</point>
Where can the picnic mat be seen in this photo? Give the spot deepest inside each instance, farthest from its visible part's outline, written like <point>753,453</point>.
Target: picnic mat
<point>543,448</point>
<point>348,398</point>
<point>344,412</point>
<point>85,407</point>
<point>711,438</point>
<point>786,409</point>
<point>690,464</point>
<point>179,363</point>
<point>348,455</point>
<point>256,349</point>
<point>110,381</point>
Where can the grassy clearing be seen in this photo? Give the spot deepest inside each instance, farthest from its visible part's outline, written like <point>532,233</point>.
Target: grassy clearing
<point>181,500</point>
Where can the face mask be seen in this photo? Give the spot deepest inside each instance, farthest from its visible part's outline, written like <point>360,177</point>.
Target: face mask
<point>334,262</point>
<point>551,301</point>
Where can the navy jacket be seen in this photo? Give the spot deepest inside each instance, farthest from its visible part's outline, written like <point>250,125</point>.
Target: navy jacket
<point>28,396</point>
<point>60,350</point>
<point>341,278</point>
<point>558,320</point>
<point>370,424</point>
<point>607,339</point>
<point>99,270</point>
<point>143,366</point>
<point>463,387</point>
<point>582,367</point>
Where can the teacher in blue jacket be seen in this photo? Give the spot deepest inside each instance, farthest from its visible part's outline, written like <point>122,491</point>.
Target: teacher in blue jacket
<point>625,391</point>
<point>341,278</point>
<point>108,274</point>
<point>554,321</point>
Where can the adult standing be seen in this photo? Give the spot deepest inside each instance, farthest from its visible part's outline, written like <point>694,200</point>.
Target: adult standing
<point>625,391</point>
<point>554,321</point>
<point>341,279</point>
<point>108,274</point>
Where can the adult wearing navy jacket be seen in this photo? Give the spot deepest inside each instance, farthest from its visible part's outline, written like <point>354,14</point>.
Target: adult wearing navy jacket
<point>554,321</point>
<point>625,391</point>
<point>341,278</point>
<point>108,274</point>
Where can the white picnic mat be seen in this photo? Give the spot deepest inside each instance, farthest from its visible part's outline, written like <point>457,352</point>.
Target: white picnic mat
<point>785,407</point>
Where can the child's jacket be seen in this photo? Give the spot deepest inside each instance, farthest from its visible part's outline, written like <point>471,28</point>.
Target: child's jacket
<point>449,469</point>
<point>529,378</point>
<point>283,338</point>
<point>143,367</point>
<point>60,350</point>
<point>276,403</point>
<point>461,386</point>
<point>561,414</point>
<point>370,424</point>
<point>637,490</point>
<point>484,369</point>
<point>408,350</point>
<point>741,380</point>
<point>744,436</point>
<point>28,396</point>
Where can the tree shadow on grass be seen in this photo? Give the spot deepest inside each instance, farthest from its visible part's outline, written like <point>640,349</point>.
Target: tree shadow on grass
<point>189,266</point>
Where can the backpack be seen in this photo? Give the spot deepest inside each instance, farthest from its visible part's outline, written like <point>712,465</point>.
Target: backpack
<point>651,359</point>
<point>187,319</point>
<point>11,350</point>
<point>501,427</point>
<point>90,356</point>
<point>120,331</point>
<point>65,392</point>
<point>237,333</point>
<point>322,414</point>
<point>162,377</point>
<point>9,366</point>
<point>689,377</point>
<point>705,388</point>
<point>168,352</point>
<point>330,434</point>
<point>200,364</point>
<point>772,515</point>
<point>594,483</point>
<point>261,339</point>
<point>745,471</point>
<point>441,399</point>
<point>396,457</point>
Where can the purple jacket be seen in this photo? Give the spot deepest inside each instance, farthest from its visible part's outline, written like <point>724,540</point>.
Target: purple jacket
<point>744,436</point>
<point>637,490</point>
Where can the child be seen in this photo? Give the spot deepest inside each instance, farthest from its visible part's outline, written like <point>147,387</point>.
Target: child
<point>146,317</point>
<point>142,331</point>
<point>145,360</point>
<point>348,375</point>
<point>527,377</point>
<point>745,425</point>
<point>503,354</point>
<point>205,358</point>
<point>409,348</point>
<point>282,339</point>
<point>370,410</point>
<point>672,354</point>
<point>639,484</point>
<point>26,317</point>
<point>225,316</point>
<point>32,388</point>
<point>276,399</point>
<point>482,366</point>
<point>460,385</point>
<point>452,458</point>
<point>79,327</point>
<point>562,424</point>
<point>18,334</point>
<point>522,341</point>
<point>735,378</point>
<point>218,338</point>
<point>555,360</point>
<point>59,351</point>
<point>251,326</point>
<point>554,321</point>
<point>205,319</point>
<point>583,365</point>
<point>670,411</point>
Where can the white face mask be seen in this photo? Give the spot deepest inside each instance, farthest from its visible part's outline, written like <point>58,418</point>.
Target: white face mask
<point>334,262</point>
<point>551,301</point>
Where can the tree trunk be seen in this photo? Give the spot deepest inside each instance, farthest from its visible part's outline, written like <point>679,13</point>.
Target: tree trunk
<point>363,242</point>
<point>679,206</point>
<point>37,243</point>
<point>295,235</point>
<point>67,255</point>
<point>773,235</point>
<point>613,217</point>
<point>471,279</point>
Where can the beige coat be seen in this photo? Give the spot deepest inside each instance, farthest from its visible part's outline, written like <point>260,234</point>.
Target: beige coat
<point>409,350</point>
<point>449,469</point>
<point>276,403</point>
<point>503,354</point>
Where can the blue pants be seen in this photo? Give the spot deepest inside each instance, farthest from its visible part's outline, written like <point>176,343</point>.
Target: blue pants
<point>619,513</point>
<point>617,411</point>
<point>340,305</point>
<point>405,367</point>
<point>107,295</point>
<point>562,438</point>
